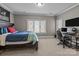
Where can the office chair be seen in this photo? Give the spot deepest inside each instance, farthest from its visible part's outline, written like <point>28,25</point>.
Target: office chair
<point>63,39</point>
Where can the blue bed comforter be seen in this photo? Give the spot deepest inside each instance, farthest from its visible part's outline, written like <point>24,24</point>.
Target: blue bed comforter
<point>18,36</point>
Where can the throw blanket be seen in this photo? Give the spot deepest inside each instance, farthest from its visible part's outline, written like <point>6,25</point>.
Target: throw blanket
<point>19,36</point>
<point>32,37</point>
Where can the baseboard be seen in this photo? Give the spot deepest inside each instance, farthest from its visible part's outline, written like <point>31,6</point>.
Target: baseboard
<point>45,37</point>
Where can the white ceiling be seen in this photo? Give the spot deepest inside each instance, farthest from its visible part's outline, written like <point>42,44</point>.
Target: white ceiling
<point>49,9</point>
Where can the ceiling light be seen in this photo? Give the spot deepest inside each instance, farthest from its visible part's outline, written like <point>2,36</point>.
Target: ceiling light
<point>39,4</point>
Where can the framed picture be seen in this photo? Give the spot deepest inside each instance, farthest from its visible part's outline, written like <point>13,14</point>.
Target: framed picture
<point>4,18</point>
<point>4,15</point>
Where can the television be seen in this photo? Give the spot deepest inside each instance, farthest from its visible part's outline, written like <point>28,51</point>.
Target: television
<point>72,22</point>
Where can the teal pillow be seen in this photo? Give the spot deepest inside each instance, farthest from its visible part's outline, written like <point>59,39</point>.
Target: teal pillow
<point>4,30</point>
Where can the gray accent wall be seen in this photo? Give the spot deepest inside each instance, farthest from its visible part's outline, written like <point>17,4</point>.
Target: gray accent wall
<point>21,25</point>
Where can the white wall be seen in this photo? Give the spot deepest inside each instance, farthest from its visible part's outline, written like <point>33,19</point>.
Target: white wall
<point>50,23</point>
<point>72,13</point>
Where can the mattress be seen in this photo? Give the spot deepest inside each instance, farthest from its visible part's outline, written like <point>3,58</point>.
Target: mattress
<point>20,42</point>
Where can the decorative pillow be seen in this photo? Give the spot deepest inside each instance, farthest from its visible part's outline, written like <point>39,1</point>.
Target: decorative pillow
<point>11,29</point>
<point>4,30</point>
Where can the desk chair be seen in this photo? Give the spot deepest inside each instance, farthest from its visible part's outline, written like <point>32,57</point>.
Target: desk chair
<point>62,38</point>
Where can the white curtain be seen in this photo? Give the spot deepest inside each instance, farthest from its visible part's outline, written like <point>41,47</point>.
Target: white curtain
<point>38,26</point>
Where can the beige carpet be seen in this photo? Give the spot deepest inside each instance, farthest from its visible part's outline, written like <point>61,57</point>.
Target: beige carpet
<point>47,47</point>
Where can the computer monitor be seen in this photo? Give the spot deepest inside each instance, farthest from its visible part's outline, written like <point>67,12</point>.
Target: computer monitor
<point>64,29</point>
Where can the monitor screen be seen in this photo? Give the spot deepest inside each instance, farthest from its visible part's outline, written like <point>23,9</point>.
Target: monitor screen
<point>64,29</point>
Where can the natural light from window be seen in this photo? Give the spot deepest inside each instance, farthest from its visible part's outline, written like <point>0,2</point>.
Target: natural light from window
<point>37,26</point>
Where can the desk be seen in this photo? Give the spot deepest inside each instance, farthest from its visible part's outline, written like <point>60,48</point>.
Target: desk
<point>68,33</point>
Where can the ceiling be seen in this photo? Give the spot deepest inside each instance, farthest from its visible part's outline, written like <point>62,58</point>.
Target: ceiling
<point>49,9</point>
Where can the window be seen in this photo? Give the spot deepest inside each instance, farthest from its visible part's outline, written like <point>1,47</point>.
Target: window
<point>36,26</point>
<point>30,26</point>
<point>43,26</point>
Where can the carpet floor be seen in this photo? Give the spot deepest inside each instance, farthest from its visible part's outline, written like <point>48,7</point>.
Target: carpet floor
<point>46,47</point>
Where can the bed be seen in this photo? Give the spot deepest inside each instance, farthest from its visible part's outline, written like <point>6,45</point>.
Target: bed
<point>18,38</point>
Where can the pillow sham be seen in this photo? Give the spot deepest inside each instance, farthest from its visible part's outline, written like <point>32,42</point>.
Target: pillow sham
<point>11,29</point>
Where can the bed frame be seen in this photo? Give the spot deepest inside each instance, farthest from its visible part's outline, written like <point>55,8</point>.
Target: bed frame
<point>27,45</point>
